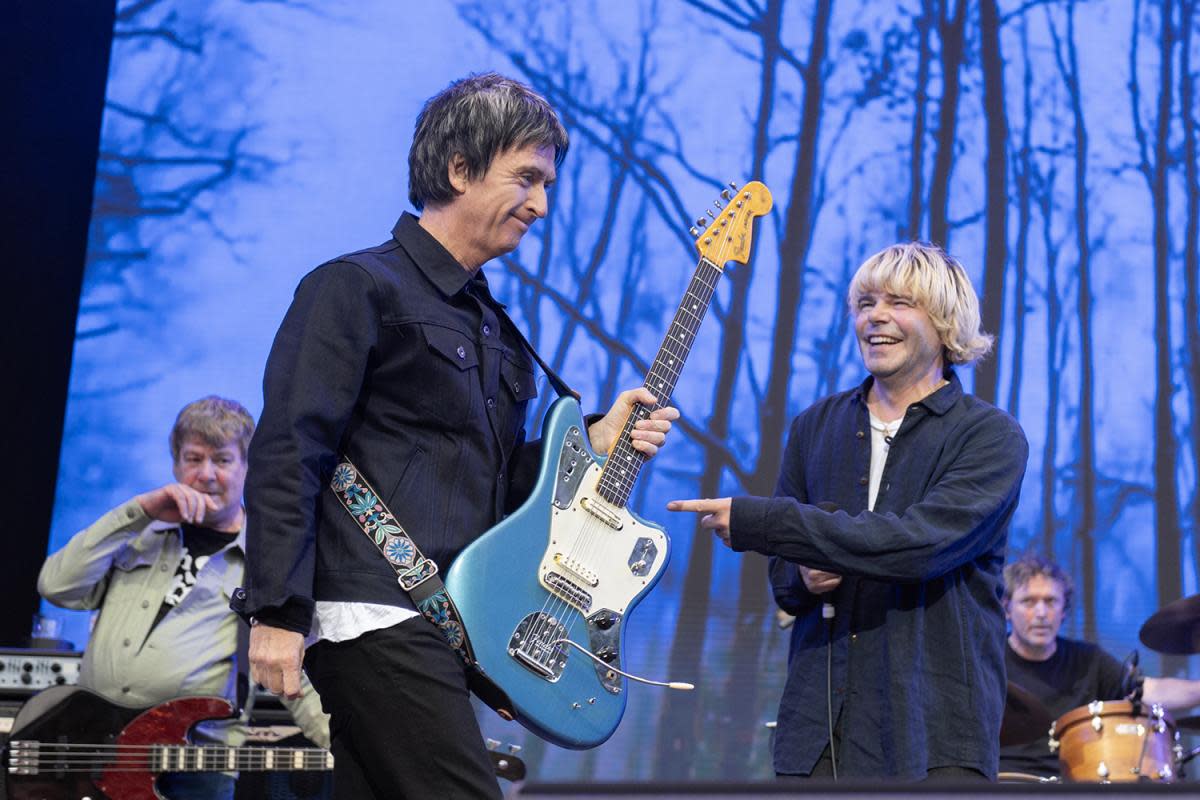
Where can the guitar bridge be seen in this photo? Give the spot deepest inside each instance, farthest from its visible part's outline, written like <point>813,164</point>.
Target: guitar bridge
<point>568,590</point>
<point>533,645</point>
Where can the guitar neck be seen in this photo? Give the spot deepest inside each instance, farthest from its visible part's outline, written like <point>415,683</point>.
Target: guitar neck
<point>216,758</point>
<point>624,463</point>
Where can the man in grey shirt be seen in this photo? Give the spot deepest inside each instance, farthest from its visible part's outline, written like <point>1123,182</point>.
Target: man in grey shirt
<point>161,569</point>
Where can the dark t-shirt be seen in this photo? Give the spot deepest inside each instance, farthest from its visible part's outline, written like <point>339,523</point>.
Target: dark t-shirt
<point>1077,674</point>
<point>198,544</point>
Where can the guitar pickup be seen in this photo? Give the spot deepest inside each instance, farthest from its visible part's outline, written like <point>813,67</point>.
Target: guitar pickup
<point>578,570</point>
<point>601,513</point>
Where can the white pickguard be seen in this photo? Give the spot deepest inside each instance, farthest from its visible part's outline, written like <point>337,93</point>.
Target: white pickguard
<point>594,556</point>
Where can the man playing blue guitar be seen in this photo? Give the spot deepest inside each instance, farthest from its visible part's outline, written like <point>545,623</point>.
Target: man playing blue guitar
<point>398,358</point>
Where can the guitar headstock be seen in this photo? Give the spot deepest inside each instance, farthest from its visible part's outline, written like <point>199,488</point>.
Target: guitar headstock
<point>729,234</point>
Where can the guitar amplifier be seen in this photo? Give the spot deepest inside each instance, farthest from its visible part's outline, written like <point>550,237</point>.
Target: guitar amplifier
<point>25,672</point>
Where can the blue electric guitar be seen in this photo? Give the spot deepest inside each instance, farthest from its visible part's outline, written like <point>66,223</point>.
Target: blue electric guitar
<point>545,594</point>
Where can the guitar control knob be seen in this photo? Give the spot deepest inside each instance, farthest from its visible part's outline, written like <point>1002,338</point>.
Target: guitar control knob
<point>26,678</point>
<point>605,621</point>
<point>606,653</point>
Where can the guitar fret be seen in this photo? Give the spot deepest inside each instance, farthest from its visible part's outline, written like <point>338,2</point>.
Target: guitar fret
<point>624,463</point>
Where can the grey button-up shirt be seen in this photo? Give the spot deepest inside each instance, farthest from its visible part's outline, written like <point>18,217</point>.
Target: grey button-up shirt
<point>124,564</point>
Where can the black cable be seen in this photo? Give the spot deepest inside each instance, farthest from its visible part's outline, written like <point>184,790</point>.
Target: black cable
<point>827,614</point>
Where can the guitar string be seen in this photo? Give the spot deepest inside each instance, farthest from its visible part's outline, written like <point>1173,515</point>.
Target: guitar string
<point>584,547</point>
<point>619,491</point>
<point>59,756</point>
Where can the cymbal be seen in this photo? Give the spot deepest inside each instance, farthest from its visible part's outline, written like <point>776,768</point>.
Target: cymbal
<point>1174,628</point>
<point>1025,717</point>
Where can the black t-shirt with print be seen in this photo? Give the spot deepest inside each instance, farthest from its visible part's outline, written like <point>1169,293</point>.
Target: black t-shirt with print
<point>199,544</point>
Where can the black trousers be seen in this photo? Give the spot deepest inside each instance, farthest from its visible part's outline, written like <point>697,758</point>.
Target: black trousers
<point>401,720</point>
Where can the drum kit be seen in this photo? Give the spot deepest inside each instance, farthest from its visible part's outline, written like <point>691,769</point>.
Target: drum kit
<point>1114,741</point>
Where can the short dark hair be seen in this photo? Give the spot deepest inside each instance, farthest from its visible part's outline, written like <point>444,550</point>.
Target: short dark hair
<point>477,117</point>
<point>216,421</point>
<point>1028,567</point>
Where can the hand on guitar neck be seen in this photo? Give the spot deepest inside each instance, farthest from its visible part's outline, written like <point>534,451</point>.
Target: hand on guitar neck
<point>647,433</point>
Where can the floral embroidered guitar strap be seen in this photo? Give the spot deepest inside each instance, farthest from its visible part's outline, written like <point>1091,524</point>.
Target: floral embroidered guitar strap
<point>416,574</point>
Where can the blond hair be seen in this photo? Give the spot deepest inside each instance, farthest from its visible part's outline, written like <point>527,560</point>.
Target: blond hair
<point>216,421</point>
<point>938,284</point>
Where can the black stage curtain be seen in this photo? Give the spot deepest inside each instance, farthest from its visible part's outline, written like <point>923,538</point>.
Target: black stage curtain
<point>54,57</point>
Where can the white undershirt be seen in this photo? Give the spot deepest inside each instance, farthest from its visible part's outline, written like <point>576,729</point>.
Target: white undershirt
<point>338,621</point>
<point>881,434</point>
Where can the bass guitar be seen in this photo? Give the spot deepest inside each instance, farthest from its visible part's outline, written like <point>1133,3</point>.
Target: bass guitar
<point>545,595</point>
<point>68,743</point>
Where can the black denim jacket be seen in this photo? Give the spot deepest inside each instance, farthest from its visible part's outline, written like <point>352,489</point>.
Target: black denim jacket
<point>918,636</point>
<point>398,358</point>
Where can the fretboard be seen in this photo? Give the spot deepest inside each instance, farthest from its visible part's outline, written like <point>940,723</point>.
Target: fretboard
<point>215,758</point>
<point>624,463</point>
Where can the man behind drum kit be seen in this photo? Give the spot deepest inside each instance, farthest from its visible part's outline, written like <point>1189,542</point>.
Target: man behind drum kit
<point>1062,673</point>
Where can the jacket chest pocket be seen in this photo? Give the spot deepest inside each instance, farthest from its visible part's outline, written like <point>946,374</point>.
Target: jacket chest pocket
<point>518,378</point>
<point>451,381</point>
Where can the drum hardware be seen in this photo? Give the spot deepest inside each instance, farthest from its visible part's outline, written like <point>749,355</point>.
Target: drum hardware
<point>1024,777</point>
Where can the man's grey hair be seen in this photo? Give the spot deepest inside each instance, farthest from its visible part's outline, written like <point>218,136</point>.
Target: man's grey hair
<point>215,421</point>
<point>478,118</point>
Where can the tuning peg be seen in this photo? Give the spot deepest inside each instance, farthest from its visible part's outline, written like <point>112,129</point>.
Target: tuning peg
<point>725,194</point>
<point>492,744</point>
<point>733,186</point>
<point>717,203</point>
<point>701,222</point>
<point>514,749</point>
<point>695,233</point>
<point>709,212</point>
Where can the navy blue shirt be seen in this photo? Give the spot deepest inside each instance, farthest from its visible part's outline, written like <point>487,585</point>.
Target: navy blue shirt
<point>918,634</point>
<point>400,359</point>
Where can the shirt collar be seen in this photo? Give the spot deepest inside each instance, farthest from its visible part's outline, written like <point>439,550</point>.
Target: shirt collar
<point>435,261</point>
<point>157,525</point>
<point>939,402</point>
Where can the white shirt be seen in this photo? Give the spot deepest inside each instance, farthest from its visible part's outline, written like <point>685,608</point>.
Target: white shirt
<point>337,621</point>
<point>881,442</point>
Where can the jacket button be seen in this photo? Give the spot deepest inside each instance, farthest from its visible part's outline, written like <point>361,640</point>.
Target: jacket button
<point>125,690</point>
<point>516,388</point>
<point>863,481</point>
<point>491,402</point>
<point>462,351</point>
<point>126,643</point>
<point>487,330</point>
<point>859,434</point>
<point>145,604</point>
